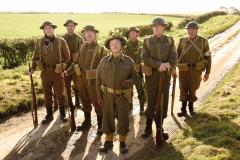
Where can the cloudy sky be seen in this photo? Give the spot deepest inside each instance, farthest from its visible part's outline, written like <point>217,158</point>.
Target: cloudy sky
<point>93,6</point>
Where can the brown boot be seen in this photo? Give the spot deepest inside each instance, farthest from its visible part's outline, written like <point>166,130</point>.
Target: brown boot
<point>49,117</point>
<point>123,147</point>
<point>107,146</point>
<point>183,111</point>
<point>99,122</point>
<point>62,114</point>
<point>148,130</point>
<point>191,109</point>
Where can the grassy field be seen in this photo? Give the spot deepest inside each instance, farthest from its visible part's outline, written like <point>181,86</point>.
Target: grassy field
<point>14,84</point>
<point>15,93</point>
<point>214,133</point>
<point>27,25</point>
<point>210,28</point>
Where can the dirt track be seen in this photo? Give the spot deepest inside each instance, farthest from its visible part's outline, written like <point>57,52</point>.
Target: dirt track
<point>18,139</point>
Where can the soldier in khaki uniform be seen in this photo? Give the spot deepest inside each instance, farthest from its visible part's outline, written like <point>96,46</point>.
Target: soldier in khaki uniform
<point>85,66</point>
<point>194,57</point>
<point>74,42</point>
<point>115,78</point>
<point>133,50</point>
<point>159,57</point>
<point>51,56</point>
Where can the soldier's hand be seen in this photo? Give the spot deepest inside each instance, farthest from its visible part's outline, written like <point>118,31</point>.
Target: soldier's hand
<point>174,74</point>
<point>100,102</point>
<point>164,67</point>
<point>30,73</point>
<point>167,66</point>
<point>126,83</point>
<point>64,74</point>
<point>205,77</point>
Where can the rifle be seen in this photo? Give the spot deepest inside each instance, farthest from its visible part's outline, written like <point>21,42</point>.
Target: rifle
<point>70,108</point>
<point>173,93</point>
<point>33,101</point>
<point>159,111</point>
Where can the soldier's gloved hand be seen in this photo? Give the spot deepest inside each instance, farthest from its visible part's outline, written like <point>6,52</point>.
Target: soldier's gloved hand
<point>100,102</point>
<point>126,83</point>
<point>205,77</point>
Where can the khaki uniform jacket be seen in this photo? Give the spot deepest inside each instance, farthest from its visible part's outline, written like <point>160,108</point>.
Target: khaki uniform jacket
<point>74,43</point>
<point>192,55</point>
<point>52,57</point>
<point>111,73</point>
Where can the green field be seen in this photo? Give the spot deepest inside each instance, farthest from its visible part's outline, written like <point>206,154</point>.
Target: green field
<point>27,25</point>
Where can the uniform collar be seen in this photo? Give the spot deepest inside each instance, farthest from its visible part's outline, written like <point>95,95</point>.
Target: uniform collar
<point>71,35</point>
<point>91,44</point>
<point>158,39</point>
<point>135,43</point>
<point>195,40</point>
<point>111,57</point>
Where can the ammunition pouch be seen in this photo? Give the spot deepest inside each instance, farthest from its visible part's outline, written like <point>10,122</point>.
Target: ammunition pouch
<point>182,67</point>
<point>146,70</point>
<point>60,67</point>
<point>201,65</point>
<point>91,74</point>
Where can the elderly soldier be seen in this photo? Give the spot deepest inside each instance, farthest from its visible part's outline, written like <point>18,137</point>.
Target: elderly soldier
<point>74,42</point>
<point>133,50</point>
<point>85,66</point>
<point>159,57</point>
<point>193,58</point>
<point>51,56</point>
<point>115,78</point>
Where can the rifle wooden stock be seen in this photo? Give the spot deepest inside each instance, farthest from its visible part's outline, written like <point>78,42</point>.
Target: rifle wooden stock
<point>173,93</point>
<point>33,102</point>
<point>70,108</point>
<point>159,110</point>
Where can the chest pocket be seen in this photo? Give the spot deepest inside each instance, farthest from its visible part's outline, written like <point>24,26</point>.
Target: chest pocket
<point>164,50</point>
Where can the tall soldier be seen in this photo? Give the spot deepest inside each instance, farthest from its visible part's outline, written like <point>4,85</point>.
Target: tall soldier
<point>133,50</point>
<point>85,66</point>
<point>115,78</point>
<point>51,56</point>
<point>194,58</point>
<point>74,42</point>
<point>159,57</point>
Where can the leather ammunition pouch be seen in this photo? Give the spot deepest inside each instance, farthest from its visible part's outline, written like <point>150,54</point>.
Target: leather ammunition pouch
<point>60,67</point>
<point>146,70</point>
<point>91,74</point>
<point>182,67</point>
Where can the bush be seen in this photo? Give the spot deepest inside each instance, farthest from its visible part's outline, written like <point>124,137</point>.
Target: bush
<point>15,52</point>
<point>200,19</point>
<point>145,29</point>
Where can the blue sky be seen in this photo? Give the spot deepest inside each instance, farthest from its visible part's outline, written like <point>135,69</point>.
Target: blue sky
<point>92,6</point>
